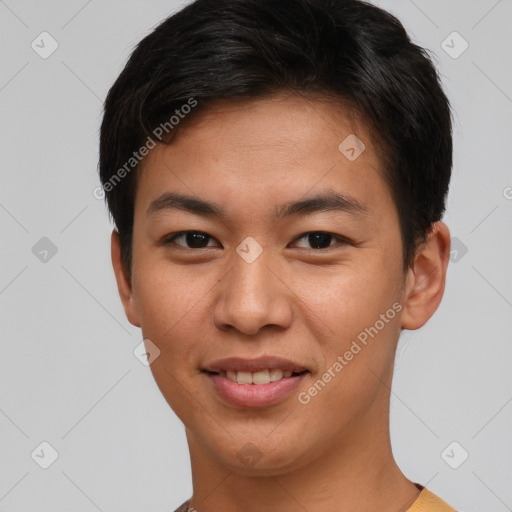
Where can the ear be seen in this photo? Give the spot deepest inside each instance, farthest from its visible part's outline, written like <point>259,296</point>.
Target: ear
<point>123,281</point>
<point>425,281</point>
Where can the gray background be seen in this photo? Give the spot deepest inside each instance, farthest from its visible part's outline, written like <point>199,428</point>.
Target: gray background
<point>68,375</point>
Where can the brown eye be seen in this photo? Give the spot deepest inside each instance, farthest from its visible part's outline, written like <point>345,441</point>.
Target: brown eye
<point>190,239</point>
<point>320,240</point>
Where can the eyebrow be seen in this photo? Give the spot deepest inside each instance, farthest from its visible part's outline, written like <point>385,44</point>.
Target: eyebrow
<point>324,202</point>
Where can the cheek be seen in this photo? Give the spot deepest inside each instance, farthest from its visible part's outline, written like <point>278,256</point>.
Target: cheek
<point>170,309</point>
<point>348,299</point>
<point>362,313</point>
<point>361,310</point>
<point>167,298</point>
<point>156,298</point>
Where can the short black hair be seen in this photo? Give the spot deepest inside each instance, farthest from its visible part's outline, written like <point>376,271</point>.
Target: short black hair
<point>251,49</point>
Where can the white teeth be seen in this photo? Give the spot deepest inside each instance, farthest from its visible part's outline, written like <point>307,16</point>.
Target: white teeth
<point>230,375</point>
<point>276,374</point>
<point>244,378</point>
<point>259,378</point>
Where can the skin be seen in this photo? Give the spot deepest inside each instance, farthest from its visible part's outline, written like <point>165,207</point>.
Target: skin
<point>294,301</point>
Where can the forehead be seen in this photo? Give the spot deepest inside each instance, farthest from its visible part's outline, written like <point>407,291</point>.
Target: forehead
<point>286,123</point>
<point>269,150</point>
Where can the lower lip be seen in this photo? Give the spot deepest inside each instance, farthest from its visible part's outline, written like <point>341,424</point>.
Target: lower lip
<point>254,395</point>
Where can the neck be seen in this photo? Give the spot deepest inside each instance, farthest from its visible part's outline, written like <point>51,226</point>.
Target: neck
<point>355,473</point>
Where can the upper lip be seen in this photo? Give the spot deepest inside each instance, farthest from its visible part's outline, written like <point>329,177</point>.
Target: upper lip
<point>240,364</point>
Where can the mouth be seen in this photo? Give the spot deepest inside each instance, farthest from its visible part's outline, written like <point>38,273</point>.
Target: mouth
<point>251,383</point>
<point>258,378</point>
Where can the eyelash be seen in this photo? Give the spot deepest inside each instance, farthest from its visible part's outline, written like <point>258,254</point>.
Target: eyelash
<point>342,240</point>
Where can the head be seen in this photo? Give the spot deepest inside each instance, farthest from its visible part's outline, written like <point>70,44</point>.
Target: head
<point>305,148</point>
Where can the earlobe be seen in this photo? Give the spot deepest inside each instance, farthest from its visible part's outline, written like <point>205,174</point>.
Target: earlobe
<point>426,278</point>
<point>124,285</point>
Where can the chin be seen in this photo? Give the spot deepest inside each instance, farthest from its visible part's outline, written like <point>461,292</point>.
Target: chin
<point>255,458</point>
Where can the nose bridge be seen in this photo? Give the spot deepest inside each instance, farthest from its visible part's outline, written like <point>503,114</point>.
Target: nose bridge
<point>252,280</point>
<point>251,297</point>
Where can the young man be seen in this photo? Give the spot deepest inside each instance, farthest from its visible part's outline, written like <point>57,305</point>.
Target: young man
<point>277,171</point>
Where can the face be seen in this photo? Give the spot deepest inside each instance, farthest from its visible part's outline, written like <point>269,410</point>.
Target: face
<point>259,244</point>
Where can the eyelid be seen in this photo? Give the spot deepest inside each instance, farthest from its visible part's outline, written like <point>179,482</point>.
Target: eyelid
<point>341,239</point>
<point>170,239</point>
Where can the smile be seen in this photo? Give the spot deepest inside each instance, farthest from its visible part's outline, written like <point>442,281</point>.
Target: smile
<point>258,382</point>
<point>258,378</point>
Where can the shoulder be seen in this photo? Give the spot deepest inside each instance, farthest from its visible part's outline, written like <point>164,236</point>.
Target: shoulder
<point>428,502</point>
<point>183,507</point>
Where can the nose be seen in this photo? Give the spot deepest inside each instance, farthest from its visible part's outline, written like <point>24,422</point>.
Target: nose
<point>251,297</point>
